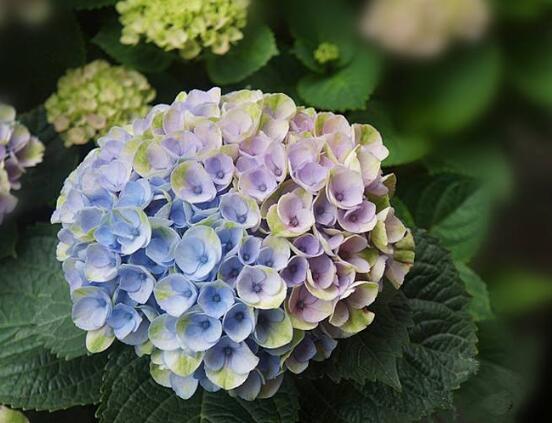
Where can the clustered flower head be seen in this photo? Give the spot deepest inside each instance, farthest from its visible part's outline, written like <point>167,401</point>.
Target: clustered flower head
<point>187,26</point>
<point>231,238</point>
<point>424,27</point>
<point>18,151</point>
<point>93,98</point>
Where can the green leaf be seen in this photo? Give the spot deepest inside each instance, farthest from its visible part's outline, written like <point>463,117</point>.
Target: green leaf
<point>452,94</point>
<point>494,394</point>
<point>346,89</point>
<point>454,208</point>
<point>130,394</point>
<point>332,23</point>
<point>42,184</point>
<point>481,159</point>
<point>372,354</point>
<point>438,359</point>
<point>515,292</point>
<point>245,58</point>
<point>32,61</point>
<point>531,70</point>
<point>35,308</point>
<point>278,76</point>
<point>8,240</point>
<point>36,379</point>
<point>522,10</point>
<point>403,147</point>
<point>480,304</point>
<point>143,57</point>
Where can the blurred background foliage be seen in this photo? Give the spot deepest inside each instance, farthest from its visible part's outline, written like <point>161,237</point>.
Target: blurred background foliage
<point>469,131</point>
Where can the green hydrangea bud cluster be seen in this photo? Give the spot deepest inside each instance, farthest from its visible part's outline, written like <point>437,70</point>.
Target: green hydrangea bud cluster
<point>326,52</point>
<point>187,26</point>
<point>96,97</point>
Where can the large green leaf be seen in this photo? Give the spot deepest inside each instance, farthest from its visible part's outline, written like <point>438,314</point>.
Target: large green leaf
<point>42,184</point>
<point>440,356</point>
<point>130,394</point>
<point>35,308</point>
<point>143,57</point>
<point>403,147</point>
<point>332,23</point>
<point>36,379</point>
<point>480,304</point>
<point>450,95</point>
<point>245,58</point>
<point>372,354</point>
<point>345,89</point>
<point>454,208</point>
<point>494,394</point>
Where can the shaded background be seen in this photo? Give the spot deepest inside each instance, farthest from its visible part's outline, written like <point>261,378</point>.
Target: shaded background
<point>480,111</point>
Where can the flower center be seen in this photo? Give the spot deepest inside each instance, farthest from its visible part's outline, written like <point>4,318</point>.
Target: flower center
<point>246,257</point>
<point>216,298</point>
<point>339,196</point>
<point>220,174</point>
<point>203,259</point>
<point>262,187</point>
<point>315,276</point>
<point>242,218</point>
<point>353,218</point>
<point>228,351</point>
<point>234,273</point>
<point>239,316</point>
<point>206,324</point>
<point>293,268</point>
<point>294,222</point>
<point>320,210</point>
<point>257,287</point>
<point>300,305</point>
<point>197,189</point>
<point>269,263</point>
<point>277,171</point>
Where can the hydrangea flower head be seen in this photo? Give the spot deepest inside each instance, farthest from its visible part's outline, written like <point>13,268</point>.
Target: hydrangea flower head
<point>231,237</point>
<point>18,151</point>
<point>421,28</point>
<point>188,27</point>
<point>92,99</point>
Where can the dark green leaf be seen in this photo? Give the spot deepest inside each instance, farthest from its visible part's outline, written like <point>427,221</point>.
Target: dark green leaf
<point>143,57</point>
<point>42,184</point>
<point>453,93</point>
<point>245,58</point>
<point>438,359</point>
<point>35,308</point>
<point>494,394</point>
<point>372,354</point>
<point>346,89</point>
<point>332,23</point>
<point>480,305</point>
<point>403,148</point>
<point>454,208</point>
<point>130,394</point>
<point>36,379</point>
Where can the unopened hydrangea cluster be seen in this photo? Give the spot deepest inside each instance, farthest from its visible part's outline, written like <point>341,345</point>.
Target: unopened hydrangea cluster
<point>91,99</point>
<point>231,238</point>
<point>187,26</point>
<point>18,151</point>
